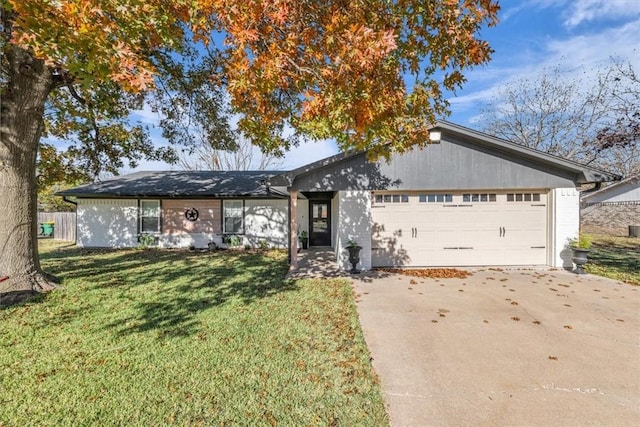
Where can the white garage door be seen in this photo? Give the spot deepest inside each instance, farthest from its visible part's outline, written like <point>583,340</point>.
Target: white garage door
<point>450,228</point>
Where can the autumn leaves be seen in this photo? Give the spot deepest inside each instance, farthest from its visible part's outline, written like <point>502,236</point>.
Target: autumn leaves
<point>365,73</point>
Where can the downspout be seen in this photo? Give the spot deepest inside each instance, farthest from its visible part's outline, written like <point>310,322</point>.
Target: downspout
<point>69,201</point>
<point>598,186</point>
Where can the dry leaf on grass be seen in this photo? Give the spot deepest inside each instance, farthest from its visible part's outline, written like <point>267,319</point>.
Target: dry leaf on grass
<point>433,273</point>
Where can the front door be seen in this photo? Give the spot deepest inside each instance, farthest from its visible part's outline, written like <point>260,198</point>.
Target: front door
<point>320,223</point>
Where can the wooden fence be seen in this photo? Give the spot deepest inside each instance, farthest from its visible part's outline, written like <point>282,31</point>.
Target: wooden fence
<point>64,224</point>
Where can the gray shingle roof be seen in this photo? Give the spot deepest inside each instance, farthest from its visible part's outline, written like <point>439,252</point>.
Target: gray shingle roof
<point>186,184</point>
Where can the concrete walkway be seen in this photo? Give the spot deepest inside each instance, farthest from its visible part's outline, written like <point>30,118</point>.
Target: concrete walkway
<point>317,262</point>
<point>513,347</point>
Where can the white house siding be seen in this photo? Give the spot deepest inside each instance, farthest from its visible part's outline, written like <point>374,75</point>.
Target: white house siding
<point>353,223</point>
<point>624,192</point>
<point>564,224</point>
<point>266,220</point>
<point>107,223</point>
<point>633,195</point>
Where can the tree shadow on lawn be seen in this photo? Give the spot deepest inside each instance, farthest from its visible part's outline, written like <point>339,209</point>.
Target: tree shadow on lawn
<point>621,257</point>
<point>165,290</point>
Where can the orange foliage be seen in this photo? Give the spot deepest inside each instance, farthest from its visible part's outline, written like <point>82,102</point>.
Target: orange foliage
<point>370,74</point>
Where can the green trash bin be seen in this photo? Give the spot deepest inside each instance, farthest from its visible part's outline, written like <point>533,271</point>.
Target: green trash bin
<point>46,228</point>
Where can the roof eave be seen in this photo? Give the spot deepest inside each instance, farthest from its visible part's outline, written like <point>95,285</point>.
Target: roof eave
<point>170,196</point>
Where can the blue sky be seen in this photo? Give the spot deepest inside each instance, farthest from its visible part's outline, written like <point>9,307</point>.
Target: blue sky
<point>577,35</point>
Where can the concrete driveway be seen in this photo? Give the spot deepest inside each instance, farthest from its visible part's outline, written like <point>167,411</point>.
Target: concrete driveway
<point>512,347</point>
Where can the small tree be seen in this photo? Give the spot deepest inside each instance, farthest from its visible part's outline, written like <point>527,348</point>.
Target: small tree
<point>571,118</point>
<point>244,156</point>
<point>619,141</point>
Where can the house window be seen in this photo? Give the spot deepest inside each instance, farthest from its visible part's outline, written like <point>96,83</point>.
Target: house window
<point>149,216</point>
<point>523,197</point>
<point>435,198</point>
<point>391,198</point>
<point>233,216</point>
<point>479,197</point>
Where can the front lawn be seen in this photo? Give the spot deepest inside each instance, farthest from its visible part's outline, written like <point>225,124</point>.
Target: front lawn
<point>615,257</point>
<point>174,337</point>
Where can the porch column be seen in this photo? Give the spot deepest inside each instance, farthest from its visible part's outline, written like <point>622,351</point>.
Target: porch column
<point>293,234</point>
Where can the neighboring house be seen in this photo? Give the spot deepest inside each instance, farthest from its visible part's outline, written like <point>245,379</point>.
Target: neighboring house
<point>467,199</point>
<point>612,209</point>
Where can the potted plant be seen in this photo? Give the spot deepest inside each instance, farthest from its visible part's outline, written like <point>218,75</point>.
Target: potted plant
<point>579,250</point>
<point>304,239</point>
<point>354,255</point>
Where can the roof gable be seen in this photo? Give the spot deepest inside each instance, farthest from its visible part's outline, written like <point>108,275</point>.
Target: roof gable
<point>464,158</point>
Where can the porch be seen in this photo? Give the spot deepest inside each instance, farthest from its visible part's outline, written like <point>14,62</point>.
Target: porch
<point>317,262</point>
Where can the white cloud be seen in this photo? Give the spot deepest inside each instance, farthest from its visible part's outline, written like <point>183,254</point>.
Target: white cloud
<point>580,55</point>
<point>576,12</point>
<point>584,11</point>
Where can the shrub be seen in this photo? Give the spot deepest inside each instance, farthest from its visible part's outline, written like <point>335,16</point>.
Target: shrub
<point>146,240</point>
<point>583,241</point>
<point>232,240</point>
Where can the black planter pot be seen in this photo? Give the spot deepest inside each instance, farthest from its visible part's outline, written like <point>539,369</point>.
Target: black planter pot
<point>305,243</point>
<point>354,258</point>
<point>579,258</point>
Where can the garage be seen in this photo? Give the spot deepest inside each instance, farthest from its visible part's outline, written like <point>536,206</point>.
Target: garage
<point>464,199</point>
<point>472,228</point>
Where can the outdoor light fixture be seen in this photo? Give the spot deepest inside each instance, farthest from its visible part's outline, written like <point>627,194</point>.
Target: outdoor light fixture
<point>435,135</point>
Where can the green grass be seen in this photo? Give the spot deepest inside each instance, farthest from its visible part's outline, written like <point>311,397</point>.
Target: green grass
<point>615,257</point>
<point>143,338</point>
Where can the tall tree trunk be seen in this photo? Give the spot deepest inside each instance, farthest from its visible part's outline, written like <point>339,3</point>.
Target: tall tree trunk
<point>21,110</point>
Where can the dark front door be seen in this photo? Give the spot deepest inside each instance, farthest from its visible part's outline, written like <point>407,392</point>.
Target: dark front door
<point>320,222</point>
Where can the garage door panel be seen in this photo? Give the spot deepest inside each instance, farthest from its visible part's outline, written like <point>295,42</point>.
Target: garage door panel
<point>389,252</point>
<point>494,231</point>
